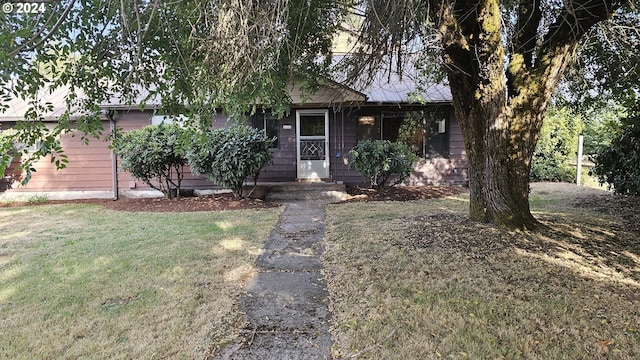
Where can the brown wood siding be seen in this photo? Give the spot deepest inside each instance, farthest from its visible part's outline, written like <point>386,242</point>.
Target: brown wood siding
<point>137,120</point>
<point>346,133</point>
<point>283,167</point>
<point>88,169</point>
<point>127,121</point>
<point>11,176</point>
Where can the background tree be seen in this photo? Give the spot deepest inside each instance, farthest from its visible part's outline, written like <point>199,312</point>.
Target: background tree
<point>604,84</point>
<point>618,164</point>
<point>557,146</point>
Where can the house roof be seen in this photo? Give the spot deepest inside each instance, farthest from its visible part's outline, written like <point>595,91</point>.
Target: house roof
<point>396,90</point>
<point>385,89</point>
<point>18,107</point>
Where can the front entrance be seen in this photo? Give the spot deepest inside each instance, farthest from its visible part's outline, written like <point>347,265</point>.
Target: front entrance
<point>312,137</point>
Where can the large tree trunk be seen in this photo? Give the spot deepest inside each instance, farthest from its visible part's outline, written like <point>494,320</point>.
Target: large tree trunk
<point>499,161</point>
<point>501,106</point>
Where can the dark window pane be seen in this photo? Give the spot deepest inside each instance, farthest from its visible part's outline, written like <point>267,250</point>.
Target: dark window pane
<point>391,123</point>
<point>425,132</point>
<point>437,136</point>
<point>368,127</point>
<point>311,125</point>
<point>269,123</point>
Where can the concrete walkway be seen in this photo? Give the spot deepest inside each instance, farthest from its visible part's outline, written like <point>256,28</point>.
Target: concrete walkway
<point>286,303</point>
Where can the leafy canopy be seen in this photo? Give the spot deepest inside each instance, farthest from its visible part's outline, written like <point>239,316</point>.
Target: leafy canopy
<point>557,146</point>
<point>618,164</point>
<point>195,56</point>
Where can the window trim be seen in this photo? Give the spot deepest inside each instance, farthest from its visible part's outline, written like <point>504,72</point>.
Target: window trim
<point>440,128</point>
<point>266,116</point>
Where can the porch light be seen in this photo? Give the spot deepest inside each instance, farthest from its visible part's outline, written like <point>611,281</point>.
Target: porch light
<point>367,120</point>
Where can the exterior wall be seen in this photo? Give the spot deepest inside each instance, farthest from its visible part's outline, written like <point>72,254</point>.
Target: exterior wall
<point>284,166</point>
<point>89,168</point>
<point>434,171</point>
<point>444,171</point>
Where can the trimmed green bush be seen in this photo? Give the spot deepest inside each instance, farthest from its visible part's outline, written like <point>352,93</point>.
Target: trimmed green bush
<point>154,155</point>
<point>228,156</point>
<point>378,160</point>
<point>7,152</point>
<point>618,165</point>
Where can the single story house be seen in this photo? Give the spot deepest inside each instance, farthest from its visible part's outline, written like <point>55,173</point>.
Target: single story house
<point>312,141</point>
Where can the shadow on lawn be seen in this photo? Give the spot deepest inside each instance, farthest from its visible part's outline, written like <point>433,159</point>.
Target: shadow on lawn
<point>585,241</point>
<point>604,236</point>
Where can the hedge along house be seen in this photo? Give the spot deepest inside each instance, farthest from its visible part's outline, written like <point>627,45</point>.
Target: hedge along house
<point>312,144</point>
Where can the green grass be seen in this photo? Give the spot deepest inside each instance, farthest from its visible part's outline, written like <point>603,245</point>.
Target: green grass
<point>418,280</point>
<point>79,281</point>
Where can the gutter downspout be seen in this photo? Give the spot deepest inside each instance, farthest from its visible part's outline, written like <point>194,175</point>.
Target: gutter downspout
<point>114,157</point>
<point>342,165</point>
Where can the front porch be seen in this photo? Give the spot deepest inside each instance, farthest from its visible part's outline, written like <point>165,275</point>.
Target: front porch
<point>293,191</point>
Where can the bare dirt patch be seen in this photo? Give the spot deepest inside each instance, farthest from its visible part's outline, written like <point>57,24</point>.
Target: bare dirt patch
<point>217,202</point>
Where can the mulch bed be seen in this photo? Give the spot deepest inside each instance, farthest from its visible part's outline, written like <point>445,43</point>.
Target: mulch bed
<point>222,202</point>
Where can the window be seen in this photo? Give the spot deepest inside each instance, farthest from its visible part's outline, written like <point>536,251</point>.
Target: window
<point>268,122</point>
<point>426,132</point>
<point>166,119</point>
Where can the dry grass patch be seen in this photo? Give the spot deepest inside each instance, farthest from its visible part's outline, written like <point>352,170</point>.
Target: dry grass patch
<point>79,281</point>
<point>419,281</point>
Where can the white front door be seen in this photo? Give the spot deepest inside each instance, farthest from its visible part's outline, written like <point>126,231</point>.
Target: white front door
<point>312,136</point>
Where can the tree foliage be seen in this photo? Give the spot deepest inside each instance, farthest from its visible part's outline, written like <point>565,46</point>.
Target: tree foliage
<point>229,156</point>
<point>379,160</point>
<point>205,53</point>
<point>557,146</point>
<point>618,164</point>
<point>608,68</point>
<point>502,60</point>
<point>155,155</point>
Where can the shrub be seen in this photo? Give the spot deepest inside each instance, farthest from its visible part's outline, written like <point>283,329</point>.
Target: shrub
<point>228,156</point>
<point>378,160</point>
<point>154,155</point>
<point>556,147</point>
<point>7,153</point>
<point>552,167</point>
<point>619,163</point>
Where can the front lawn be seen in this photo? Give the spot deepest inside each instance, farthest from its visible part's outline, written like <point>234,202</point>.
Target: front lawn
<point>79,281</point>
<point>417,280</point>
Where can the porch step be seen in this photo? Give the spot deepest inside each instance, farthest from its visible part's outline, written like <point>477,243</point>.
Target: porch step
<point>304,191</point>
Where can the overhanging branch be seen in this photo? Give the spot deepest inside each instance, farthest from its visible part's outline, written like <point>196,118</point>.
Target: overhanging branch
<point>574,21</point>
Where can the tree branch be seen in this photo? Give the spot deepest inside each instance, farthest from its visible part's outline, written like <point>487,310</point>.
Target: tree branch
<point>23,46</point>
<point>524,45</point>
<point>574,21</point>
<point>526,34</point>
